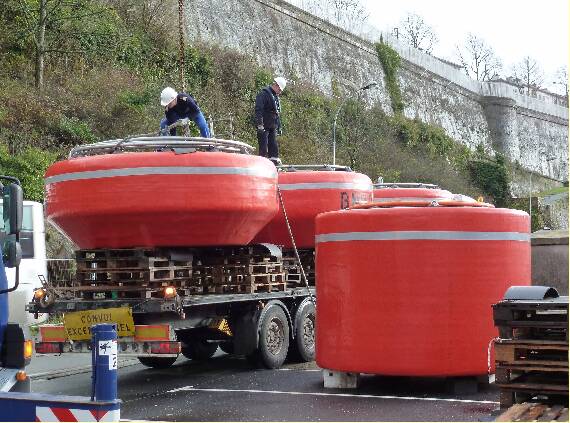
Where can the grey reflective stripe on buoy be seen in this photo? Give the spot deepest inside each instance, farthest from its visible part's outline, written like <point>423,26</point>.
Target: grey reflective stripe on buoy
<point>388,199</point>
<point>326,185</point>
<point>160,170</point>
<point>423,235</point>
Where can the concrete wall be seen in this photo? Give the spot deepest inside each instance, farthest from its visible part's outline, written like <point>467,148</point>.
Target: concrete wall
<point>550,259</point>
<point>527,129</point>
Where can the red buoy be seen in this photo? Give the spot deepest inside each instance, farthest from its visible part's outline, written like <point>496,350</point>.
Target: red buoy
<point>308,192</point>
<point>408,290</point>
<point>153,199</point>
<point>409,192</point>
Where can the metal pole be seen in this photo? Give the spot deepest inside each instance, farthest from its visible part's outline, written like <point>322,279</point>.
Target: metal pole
<point>104,350</point>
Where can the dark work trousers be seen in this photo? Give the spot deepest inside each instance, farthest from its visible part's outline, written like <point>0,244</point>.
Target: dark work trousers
<point>267,143</point>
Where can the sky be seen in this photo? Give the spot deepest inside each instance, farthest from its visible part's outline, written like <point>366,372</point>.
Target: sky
<point>514,28</point>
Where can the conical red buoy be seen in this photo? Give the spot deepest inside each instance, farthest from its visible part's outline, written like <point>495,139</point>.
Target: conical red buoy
<point>152,199</point>
<point>306,193</point>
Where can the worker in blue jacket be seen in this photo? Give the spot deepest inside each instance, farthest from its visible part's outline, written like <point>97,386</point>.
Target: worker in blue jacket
<point>179,106</point>
<point>267,118</point>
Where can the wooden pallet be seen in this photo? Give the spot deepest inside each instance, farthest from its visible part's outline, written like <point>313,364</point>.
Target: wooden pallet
<point>517,387</point>
<point>292,268</point>
<point>532,355</point>
<point>245,288</point>
<point>528,412</point>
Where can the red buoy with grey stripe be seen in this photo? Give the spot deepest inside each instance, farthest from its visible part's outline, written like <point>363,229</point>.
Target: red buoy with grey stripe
<point>153,199</point>
<point>388,193</point>
<point>306,193</point>
<point>408,290</point>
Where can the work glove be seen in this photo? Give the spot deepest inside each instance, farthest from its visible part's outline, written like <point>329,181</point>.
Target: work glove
<point>260,128</point>
<point>183,122</point>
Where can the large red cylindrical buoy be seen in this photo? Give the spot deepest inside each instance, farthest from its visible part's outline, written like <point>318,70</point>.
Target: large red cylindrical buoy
<point>409,192</point>
<point>306,193</point>
<point>408,290</point>
<point>154,199</point>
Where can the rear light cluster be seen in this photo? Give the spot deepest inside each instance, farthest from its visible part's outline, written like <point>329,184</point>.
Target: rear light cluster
<point>49,347</point>
<point>169,347</point>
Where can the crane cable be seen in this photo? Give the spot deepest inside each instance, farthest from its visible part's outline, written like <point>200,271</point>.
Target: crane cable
<point>303,275</point>
<point>181,63</point>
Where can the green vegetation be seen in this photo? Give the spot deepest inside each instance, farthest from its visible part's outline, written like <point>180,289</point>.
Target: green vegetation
<point>107,60</point>
<point>390,60</point>
<point>553,191</point>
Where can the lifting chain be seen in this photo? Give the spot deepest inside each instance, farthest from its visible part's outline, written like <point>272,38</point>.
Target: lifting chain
<point>303,276</point>
<point>181,63</point>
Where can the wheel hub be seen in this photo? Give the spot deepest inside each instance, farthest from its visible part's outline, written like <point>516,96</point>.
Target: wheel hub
<point>275,337</point>
<point>309,332</point>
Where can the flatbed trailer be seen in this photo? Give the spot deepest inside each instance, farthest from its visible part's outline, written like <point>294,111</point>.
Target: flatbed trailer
<point>264,326</point>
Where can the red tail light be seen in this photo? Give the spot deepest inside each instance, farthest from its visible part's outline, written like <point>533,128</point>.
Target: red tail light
<point>170,347</point>
<point>49,348</point>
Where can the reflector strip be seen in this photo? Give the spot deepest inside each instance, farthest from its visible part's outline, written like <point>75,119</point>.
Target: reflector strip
<point>423,235</point>
<point>326,185</point>
<point>160,170</point>
<point>52,333</point>
<point>152,333</point>
<point>55,414</point>
<point>388,199</point>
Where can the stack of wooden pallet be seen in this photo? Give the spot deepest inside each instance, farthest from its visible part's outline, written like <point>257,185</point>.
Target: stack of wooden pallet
<point>292,269</point>
<point>531,354</point>
<point>129,273</point>
<point>237,270</point>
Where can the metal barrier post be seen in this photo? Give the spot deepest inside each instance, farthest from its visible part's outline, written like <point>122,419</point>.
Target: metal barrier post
<point>104,347</point>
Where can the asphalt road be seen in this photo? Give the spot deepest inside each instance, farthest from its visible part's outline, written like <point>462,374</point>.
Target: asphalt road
<point>227,389</point>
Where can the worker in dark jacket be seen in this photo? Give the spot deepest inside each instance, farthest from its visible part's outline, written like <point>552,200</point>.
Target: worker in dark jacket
<point>267,119</point>
<point>179,106</point>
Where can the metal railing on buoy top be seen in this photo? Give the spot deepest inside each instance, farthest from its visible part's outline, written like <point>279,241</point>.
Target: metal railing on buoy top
<point>103,406</point>
<point>423,203</point>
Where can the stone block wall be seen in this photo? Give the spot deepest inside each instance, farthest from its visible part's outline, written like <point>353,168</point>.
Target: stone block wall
<point>294,43</point>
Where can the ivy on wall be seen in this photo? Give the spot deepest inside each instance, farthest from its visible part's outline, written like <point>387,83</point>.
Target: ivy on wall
<point>491,175</point>
<point>390,60</point>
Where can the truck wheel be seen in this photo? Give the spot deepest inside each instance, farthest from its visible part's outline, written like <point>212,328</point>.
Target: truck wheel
<point>199,350</point>
<point>273,338</point>
<point>157,362</point>
<point>227,347</point>
<point>303,347</point>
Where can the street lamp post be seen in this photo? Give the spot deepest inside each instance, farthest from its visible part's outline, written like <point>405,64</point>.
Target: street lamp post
<point>365,87</point>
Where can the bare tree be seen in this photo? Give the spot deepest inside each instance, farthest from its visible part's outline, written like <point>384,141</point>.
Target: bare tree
<point>348,14</point>
<point>561,80</point>
<point>478,59</point>
<point>51,24</point>
<point>418,33</point>
<point>152,14</point>
<point>530,74</point>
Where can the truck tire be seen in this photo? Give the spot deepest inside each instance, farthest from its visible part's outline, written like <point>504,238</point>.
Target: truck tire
<point>273,339</point>
<point>302,348</point>
<point>157,362</point>
<point>199,350</point>
<point>227,347</point>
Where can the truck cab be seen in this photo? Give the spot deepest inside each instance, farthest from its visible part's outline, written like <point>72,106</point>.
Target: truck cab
<point>15,351</point>
<point>33,266</point>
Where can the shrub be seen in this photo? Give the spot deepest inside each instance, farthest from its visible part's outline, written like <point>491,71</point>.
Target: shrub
<point>29,167</point>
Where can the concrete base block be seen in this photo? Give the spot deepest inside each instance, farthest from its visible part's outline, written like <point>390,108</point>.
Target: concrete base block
<point>340,380</point>
<point>462,385</point>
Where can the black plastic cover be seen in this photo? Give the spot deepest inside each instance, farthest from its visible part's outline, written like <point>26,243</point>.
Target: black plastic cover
<point>530,293</point>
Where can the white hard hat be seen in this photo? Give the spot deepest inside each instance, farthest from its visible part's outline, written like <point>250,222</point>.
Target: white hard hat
<point>279,80</point>
<point>167,95</point>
